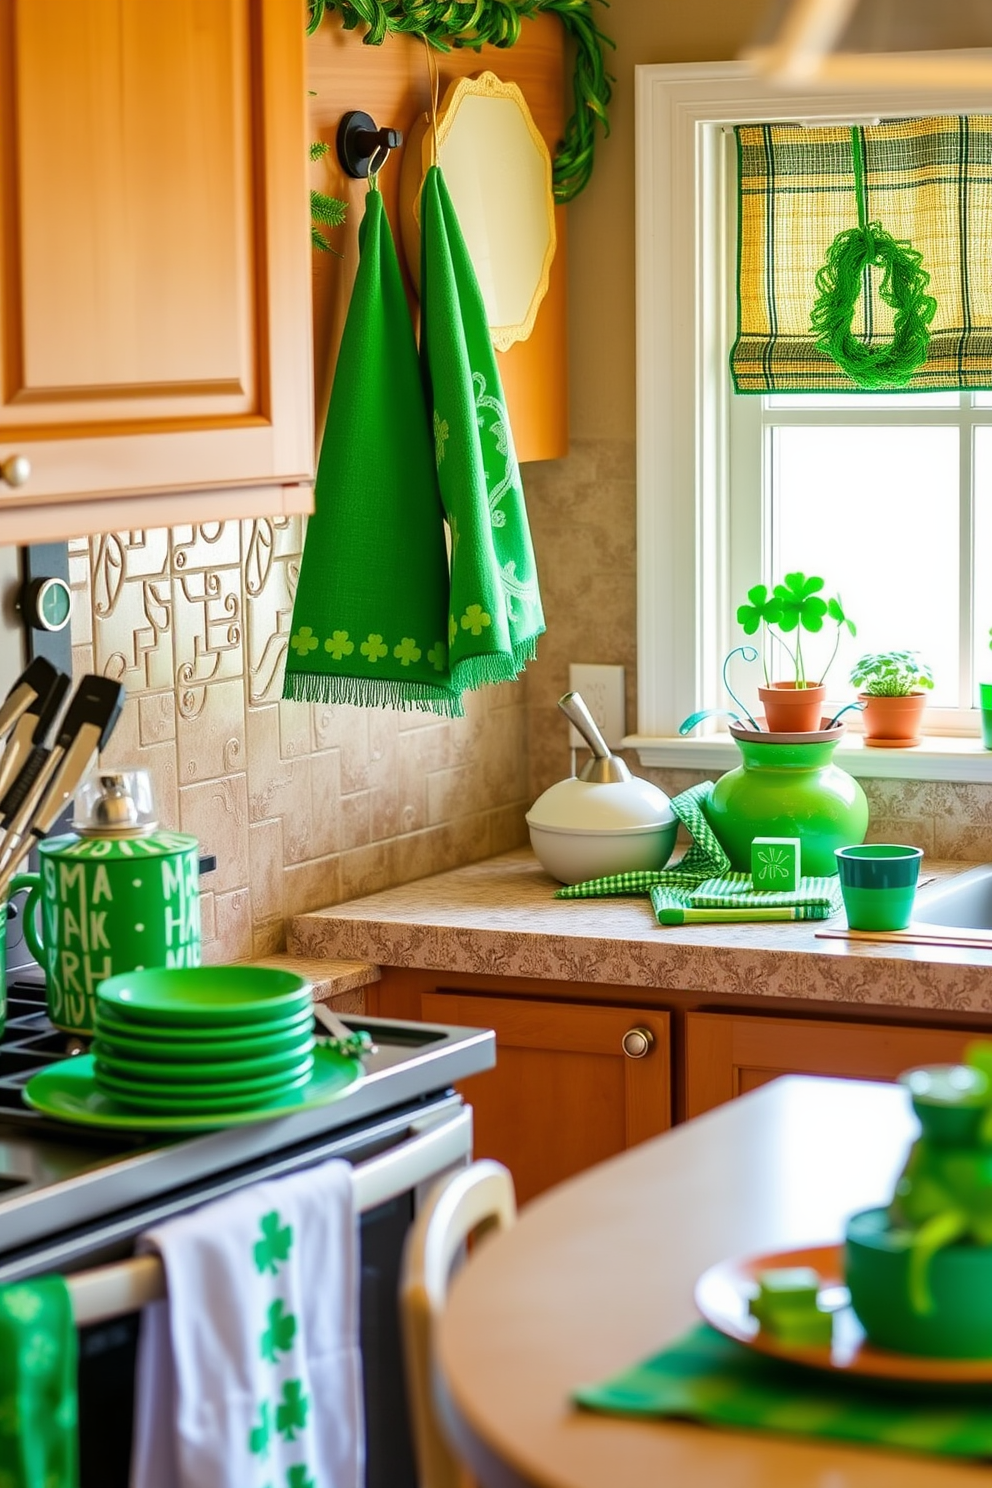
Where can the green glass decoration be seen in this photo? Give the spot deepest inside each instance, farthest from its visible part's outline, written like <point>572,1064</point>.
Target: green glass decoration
<point>842,279</point>
<point>788,790</point>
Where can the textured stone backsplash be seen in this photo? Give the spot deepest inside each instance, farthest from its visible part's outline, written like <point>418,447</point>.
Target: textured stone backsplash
<point>303,805</point>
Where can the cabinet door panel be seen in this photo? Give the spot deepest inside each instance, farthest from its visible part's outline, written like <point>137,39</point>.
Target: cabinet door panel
<point>154,258</point>
<point>728,1055</point>
<point>563,1095</point>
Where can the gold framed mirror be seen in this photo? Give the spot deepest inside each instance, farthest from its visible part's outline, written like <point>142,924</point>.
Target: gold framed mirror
<point>498,172</point>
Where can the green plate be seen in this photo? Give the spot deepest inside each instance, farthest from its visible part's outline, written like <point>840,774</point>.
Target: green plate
<point>133,1046</point>
<point>194,996</point>
<point>212,1038</point>
<point>67,1091</point>
<point>224,1073</point>
<point>166,1098</point>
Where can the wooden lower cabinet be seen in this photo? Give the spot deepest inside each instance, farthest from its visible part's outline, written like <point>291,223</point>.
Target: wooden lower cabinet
<point>727,1054</point>
<point>564,1094</point>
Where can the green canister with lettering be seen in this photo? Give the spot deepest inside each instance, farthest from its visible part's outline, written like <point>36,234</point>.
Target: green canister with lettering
<point>116,894</point>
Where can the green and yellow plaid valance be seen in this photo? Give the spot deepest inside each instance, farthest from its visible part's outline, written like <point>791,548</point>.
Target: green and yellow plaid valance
<point>928,181</point>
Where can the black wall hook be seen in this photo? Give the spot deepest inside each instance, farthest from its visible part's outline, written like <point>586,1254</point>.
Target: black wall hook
<point>360,142</point>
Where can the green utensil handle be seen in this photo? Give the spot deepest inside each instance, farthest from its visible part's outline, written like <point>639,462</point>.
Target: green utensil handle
<point>32,919</point>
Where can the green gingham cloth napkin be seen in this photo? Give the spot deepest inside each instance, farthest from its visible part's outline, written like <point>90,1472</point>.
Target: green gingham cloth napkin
<point>703,879</point>
<point>711,1379</point>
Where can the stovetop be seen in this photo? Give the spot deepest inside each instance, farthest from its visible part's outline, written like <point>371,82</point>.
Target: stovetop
<point>53,1173</point>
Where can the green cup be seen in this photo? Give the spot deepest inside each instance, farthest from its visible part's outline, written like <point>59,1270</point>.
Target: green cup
<point>878,883</point>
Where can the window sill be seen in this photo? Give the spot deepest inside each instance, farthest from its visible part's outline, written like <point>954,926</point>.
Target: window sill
<point>937,758</point>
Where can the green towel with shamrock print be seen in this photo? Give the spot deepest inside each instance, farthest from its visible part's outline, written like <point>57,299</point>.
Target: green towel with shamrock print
<point>706,1377</point>
<point>495,616</point>
<point>38,1403</point>
<point>371,611</point>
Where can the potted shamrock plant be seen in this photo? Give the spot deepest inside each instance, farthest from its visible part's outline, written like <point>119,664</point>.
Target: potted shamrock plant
<point>893,687</point>
<point>795,704</point>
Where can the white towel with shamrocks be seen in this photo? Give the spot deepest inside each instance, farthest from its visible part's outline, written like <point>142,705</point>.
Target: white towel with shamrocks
<point>249,1373</point>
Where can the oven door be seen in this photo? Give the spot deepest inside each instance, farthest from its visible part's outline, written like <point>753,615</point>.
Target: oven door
<point>396,1159</point>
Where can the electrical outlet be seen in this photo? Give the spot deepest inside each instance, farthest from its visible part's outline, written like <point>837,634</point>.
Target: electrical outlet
<point>602,690</point>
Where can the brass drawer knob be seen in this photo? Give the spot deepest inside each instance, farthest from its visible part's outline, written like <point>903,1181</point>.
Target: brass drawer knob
<point>637,1042</point>
<point>15,470</point>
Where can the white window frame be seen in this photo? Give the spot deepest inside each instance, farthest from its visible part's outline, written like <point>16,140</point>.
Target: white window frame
<point>683,400</point>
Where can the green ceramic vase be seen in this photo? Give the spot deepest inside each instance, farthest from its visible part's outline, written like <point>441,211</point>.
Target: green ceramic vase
<point>788,790</point>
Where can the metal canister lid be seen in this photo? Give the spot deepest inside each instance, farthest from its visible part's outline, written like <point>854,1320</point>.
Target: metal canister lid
<point>115,803</point>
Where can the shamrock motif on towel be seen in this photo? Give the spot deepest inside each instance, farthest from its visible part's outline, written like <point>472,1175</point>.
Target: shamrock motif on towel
<point>407,651</point>
<point>278,1336</point>
<point>259,1436</point>
<point>274,1245</point>
<point>438,656</point>
<point>291,1412</point>
<point>297,1477</point>
<point>373,648</point>
<point>304,640</point>
<point>475,619</point>
<point>339,645</point>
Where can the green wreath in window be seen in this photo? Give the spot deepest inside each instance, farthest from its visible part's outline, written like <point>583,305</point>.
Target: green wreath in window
<point>477,23</point>
<point>840,282</point>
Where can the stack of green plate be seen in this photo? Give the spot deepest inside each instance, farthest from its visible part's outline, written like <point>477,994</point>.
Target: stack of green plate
<point>204,1039</point>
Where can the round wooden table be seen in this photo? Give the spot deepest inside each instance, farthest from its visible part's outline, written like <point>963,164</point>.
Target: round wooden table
<point>599,1273</point>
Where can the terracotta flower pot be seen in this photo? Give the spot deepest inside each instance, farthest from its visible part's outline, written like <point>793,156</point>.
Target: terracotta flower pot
<point>792,710</point>
<point>893,722</point>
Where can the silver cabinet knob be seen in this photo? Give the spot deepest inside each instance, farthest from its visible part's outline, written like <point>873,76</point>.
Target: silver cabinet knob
<point>637,1042</point>
<point>15,470</point>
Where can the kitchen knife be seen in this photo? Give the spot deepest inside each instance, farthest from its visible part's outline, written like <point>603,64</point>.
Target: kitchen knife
<point>86,727</point>
<point>32,726</point>
<point>33,682</point>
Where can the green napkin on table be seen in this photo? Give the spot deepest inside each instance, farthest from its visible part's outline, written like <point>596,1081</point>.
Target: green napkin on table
<point>38,1403</point>
<point>495,615</point>
<point>708,1378</point>
<point>371,612</point>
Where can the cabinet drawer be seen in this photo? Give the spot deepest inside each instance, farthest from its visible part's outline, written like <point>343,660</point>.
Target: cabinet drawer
<point>728,1055</point>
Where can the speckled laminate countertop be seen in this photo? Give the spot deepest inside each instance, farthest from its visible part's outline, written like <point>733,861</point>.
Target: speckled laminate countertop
<point>500,918</point>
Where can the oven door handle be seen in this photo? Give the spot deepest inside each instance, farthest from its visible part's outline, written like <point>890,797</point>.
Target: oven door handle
<point>106,1292</point>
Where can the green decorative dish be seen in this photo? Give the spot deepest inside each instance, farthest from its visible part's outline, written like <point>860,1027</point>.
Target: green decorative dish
<point>225,1072</point>
<point>67,1091</point>
<point>197,996</point>
<point>146,1097</point>
<point>141,1046</point>
<point>876,1268</point>
<point>209,1037</point>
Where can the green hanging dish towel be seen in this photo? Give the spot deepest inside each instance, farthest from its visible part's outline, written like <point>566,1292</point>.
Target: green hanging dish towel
<point>371,611</point>
<point>38,1402</point>
<point>495,616</point>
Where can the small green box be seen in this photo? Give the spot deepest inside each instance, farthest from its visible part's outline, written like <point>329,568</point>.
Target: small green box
<point>775,863</point>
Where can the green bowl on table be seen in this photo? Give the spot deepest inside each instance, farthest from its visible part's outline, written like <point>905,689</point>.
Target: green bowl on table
<point>197,997</point>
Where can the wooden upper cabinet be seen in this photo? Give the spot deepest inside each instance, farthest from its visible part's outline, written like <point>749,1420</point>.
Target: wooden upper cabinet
<point>154,263</point>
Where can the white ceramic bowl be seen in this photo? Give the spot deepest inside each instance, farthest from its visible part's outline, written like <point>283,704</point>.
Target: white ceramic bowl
<point>581,830</point>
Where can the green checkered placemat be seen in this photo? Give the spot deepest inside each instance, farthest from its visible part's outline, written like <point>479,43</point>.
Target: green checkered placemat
<point>711,1379</point>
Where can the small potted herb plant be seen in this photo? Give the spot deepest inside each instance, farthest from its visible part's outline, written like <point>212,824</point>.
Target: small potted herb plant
<point>893,687</point>
<point>792,607</point>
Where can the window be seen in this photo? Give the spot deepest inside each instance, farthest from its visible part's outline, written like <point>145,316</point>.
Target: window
<point>734,489</point>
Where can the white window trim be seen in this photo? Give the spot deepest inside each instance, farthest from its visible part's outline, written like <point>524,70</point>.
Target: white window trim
<point>683,396</point>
